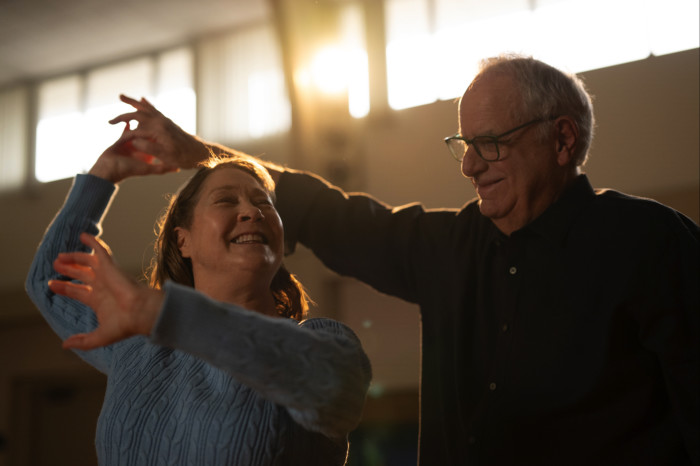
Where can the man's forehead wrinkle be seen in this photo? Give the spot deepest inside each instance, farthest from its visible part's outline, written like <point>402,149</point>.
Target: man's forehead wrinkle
<point>487,106</point>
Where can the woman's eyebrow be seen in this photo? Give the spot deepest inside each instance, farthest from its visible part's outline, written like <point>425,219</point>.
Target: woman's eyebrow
<point>227,187</point>
<point>236,188</point>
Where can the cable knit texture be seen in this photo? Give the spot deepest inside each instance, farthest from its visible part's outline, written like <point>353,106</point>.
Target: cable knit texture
<point>214,384</point>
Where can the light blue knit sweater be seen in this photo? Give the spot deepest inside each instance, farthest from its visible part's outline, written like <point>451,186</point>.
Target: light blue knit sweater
<point>214,384</point>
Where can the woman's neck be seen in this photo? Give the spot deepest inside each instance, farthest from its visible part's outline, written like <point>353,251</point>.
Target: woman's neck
<point>254,296</point>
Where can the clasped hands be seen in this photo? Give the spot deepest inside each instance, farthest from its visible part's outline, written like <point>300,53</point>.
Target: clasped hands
<point>155,146</point>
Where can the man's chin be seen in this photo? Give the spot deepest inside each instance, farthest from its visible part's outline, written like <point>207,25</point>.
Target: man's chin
<point>489,209</point>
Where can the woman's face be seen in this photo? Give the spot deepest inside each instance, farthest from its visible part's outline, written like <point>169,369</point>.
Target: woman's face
<point>235,229</point>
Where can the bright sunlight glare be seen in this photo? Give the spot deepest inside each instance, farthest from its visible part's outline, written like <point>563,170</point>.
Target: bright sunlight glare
<point>422,67</point>
<point>338,69</point>
<point>70,143</point>
<point>329,70</point>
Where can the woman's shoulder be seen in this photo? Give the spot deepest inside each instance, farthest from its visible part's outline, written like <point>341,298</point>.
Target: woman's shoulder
<point>328,325</point>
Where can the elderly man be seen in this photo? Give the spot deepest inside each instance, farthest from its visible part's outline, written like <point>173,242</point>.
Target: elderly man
<point>559,323</point>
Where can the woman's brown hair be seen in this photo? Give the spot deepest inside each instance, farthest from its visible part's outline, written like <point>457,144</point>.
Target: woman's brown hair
<point>168,264</point>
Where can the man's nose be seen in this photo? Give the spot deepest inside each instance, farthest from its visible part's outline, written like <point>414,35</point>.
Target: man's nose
<point>472,163</point>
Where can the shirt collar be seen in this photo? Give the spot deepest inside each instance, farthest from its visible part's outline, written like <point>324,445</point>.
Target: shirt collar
<point>556,221</point>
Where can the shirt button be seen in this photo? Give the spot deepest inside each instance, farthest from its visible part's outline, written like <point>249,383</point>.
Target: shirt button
<point>471,440</point>
<point>492,386</point>
<point>504,327</point>
<point>513,270</point>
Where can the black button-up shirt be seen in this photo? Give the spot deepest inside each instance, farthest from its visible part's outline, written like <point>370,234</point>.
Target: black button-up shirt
<point>572,341</point>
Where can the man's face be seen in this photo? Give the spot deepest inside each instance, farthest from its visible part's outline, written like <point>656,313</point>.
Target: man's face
<point>518,187</point>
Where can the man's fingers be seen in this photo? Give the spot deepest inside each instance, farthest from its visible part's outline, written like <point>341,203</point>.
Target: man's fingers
<point>126,117</point>
<point>129,100</point>
<point>142,104</point>
<point>149,106</point>
<point>144,144</point>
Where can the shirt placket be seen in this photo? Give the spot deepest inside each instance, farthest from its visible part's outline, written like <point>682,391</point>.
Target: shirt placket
<point>508,265</point>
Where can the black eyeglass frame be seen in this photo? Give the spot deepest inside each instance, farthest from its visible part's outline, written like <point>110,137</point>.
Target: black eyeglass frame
<point>492,139</point>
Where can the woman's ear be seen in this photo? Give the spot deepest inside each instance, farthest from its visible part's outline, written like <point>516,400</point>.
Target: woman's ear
<point>565,139</point>
<point>183,241</point>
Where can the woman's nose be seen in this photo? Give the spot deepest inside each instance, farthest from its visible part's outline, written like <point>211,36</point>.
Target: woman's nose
<point>250,212</point>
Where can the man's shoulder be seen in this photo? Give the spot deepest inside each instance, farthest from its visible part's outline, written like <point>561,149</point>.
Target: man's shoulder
<point>621,202</point>
<point>619,208</point>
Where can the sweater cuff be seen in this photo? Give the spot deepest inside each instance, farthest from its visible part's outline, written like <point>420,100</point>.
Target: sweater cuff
<point>185,316</point>
<point>90,196</point>
<point>175,317</point>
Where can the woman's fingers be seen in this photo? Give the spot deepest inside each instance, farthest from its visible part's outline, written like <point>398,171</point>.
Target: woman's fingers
<point>75,342</point>
<point>86,341</point>
<point>79,258</point>
<point>74,271</point>
<point>100,248</point>
<point>82,265</point>
<point>77,291</point>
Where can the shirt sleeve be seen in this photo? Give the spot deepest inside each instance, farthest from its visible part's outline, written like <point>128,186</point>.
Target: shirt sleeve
<point>356,235</point>
<point>83,211</point>
<point>317,369</point>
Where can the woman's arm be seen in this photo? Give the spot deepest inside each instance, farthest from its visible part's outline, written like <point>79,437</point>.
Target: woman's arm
<point>82,211</point>
<point>317,369</point>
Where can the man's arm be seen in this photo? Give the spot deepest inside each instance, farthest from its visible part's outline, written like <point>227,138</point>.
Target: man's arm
<point>353,234</point>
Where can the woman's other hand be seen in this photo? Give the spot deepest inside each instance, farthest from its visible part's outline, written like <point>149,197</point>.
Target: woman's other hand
<point>123,307</point>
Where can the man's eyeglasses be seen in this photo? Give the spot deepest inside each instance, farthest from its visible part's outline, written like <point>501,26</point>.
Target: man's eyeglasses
<point>485,146</point>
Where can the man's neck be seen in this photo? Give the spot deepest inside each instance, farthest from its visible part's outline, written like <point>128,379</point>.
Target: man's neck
<point>512,223</point>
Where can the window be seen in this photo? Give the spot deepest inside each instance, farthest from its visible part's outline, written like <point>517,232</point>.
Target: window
<point>13,137</point>
<point>434,46</point>
<point>356,67</point>
<point>73,110</point>
<point>242,90</point>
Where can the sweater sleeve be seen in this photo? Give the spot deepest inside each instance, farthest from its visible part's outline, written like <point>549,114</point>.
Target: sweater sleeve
<point>317,370</point>
<point>82,211</point>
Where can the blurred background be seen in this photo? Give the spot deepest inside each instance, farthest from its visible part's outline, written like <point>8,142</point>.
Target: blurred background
<point>361,92</point>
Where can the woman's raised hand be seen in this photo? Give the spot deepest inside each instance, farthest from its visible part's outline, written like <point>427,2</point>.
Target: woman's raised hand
<point>122,160</point>
<point>158,136</point>
<point>123,307</point>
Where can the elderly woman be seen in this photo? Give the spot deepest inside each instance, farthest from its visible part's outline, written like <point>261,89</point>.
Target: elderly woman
<point>213,364</point>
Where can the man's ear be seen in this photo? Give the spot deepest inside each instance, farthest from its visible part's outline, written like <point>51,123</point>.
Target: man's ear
<point>183,241</point>
<point>565,139</point>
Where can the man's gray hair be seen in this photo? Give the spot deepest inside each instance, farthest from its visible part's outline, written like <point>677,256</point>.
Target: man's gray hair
<point>547,92</point>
